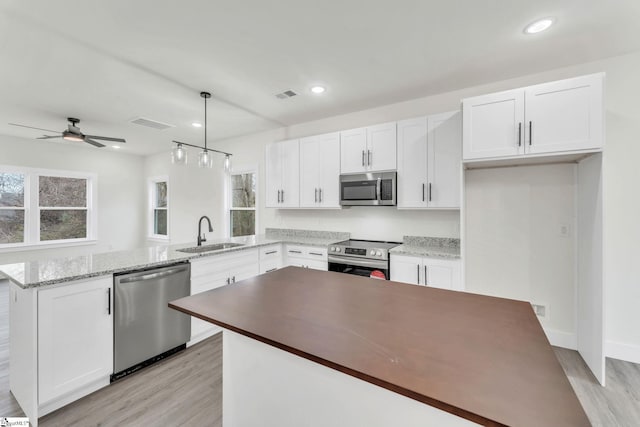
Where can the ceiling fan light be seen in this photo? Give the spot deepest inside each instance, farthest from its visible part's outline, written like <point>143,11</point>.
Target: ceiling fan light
<point>71,137</point>
<point>204,159</point>
<point>179,155</point>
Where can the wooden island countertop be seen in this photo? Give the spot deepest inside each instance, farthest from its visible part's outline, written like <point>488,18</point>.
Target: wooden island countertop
<point>481,358</point>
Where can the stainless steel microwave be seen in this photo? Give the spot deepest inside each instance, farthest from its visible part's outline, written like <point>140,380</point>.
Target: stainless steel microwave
<point>368,189</point>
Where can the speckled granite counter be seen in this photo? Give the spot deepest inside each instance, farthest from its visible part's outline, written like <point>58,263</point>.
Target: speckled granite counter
<point>31,274</point>
<point>428,246</point>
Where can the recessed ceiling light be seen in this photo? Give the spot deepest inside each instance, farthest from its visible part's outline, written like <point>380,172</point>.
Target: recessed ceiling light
<point>538,26</point>
<point>318,89</point>
<point>115,146</point>
<point>196,125</point>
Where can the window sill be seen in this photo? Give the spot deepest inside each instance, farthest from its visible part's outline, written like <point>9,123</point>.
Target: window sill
<point>159,238</point>
<point>43,246</point>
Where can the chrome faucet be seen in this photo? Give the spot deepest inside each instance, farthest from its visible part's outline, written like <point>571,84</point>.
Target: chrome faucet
<point>200,233</point>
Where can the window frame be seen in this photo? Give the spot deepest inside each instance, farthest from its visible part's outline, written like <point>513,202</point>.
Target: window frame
<point>32,208</point>
<point>229,196</point>
<point>151,208</point>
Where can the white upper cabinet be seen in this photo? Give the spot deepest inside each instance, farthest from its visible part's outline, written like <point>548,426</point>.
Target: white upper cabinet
<point>368,149</point>
<point>565,115</point>
<point>282,174</point>
<point>320,171</point>
<point>429,161</point>
<point>557,117</point>
<point>493,124</point>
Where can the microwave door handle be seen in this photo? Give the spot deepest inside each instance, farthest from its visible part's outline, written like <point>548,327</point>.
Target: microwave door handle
<point>378,186</point>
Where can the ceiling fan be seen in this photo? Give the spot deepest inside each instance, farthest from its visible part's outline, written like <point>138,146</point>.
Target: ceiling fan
<point>72,133</point>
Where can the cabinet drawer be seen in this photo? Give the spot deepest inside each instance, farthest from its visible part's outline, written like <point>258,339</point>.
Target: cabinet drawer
<point>269,265</point>
<point>270,252</point>
<point>307,252</point>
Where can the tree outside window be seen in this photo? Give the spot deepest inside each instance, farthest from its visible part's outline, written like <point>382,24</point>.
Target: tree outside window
<point>12,209</point>
<point>159,201</point>
<point>243,204</point>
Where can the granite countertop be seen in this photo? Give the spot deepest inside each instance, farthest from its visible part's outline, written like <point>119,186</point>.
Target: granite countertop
<point>441,247</point>
<point>30,274</point>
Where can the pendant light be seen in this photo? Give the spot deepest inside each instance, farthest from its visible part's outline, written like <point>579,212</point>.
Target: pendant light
<point>179,153</point>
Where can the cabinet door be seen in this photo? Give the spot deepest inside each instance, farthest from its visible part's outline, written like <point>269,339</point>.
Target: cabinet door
<point>407,269</point>
<point>212,276</point>
<point>75,337</point>
<point>381,147</point>
<point>353,150</point>
<point>493,125</point>
<point>273,175</point>
<point>565,115</point>
<point>412,163</point>
<point>329,174</point>
<point>310,170</point>
<point>445,160</point>
<point>442,273</point>
<point>290,153</point>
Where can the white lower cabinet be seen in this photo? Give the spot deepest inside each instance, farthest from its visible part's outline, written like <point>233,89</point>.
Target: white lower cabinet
<point>307,257</point>
<point>213,272</point>
<point>75,340</point>
<point>425,271</point>
<point>270,258</point>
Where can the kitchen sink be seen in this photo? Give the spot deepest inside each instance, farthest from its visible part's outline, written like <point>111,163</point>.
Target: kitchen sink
<point>210,248</point>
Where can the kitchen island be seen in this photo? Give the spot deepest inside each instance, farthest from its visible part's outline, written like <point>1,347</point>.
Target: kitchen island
<point>311,348</point>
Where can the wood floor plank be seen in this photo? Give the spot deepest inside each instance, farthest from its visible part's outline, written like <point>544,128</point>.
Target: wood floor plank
<point>186,390</point>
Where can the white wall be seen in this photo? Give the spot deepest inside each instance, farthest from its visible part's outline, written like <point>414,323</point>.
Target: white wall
<point>514,246</point>
<point>193,192</point>
<point>621,175</point>
<point>120,191</point>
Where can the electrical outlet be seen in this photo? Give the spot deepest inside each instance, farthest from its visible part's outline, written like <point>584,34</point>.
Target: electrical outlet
<point>540,310</point>
<point>564,230</point>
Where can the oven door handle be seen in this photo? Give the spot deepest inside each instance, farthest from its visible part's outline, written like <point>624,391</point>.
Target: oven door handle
<point>382,265</point>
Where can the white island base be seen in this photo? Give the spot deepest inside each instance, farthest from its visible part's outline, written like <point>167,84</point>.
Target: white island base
<point>266,386</point>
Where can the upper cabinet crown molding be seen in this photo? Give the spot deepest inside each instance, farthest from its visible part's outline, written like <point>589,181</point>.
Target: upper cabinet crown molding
<point>551,118</point>
<point>368,149</point>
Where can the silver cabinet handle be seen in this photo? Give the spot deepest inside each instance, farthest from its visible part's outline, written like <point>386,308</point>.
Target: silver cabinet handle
<point>109,301</point>
<point>273,269</point>
<point>278,196</point>
<point>315,253</point>
<point>282,192</point>
<point>429,191</point>
<point>369,157</point>
<point>320,194</point>
<point>316,195</point>
<point>425,276</point>
<point>362,157</point>
<point>228,280</point>
<point>530,132</point>
<point>418,270</point>
<point>270,252</point>
<point>294,252</point>
<point>519,134</point>
<point>423,191</point>
<point>233,279</point>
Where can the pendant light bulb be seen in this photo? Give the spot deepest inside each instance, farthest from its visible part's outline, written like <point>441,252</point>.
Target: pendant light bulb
<point>227,164</point>
<point>179,155</point>
<point>204,159</point>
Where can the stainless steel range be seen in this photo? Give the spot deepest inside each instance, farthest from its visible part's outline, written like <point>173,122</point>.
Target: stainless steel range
<point>361,257</point>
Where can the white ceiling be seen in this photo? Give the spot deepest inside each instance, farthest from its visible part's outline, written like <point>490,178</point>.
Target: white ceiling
<point>111,61</point>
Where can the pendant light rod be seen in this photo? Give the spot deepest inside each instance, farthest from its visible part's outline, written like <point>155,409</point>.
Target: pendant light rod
<point>205,95</point>
<point>198,146</point>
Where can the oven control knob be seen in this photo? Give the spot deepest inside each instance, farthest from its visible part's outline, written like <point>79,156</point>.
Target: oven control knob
<point>338,249</point>
<point>333,248</point>
<point>372,253</point>
<point>379,253</point>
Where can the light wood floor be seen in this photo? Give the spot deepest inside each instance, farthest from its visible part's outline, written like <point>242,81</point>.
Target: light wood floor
<point>186,390</point>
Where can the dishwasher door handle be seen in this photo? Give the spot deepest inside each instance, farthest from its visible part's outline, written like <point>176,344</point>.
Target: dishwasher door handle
<point>151,276</point>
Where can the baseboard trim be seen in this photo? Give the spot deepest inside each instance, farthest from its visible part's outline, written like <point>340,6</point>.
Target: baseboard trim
<point>622,351</point>
<point>562,339</point>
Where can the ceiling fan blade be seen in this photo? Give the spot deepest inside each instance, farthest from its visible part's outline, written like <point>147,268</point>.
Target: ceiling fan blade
<point>49,137</point>
<point>31,127</point>
<point>106,138</point>
<point>92,142</point>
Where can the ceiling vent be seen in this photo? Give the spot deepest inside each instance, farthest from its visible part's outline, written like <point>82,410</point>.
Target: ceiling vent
<point>286,94</point>
<point>151,123</point>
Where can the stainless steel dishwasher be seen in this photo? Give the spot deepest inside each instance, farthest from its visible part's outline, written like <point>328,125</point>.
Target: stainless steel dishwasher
<point>145,328</point>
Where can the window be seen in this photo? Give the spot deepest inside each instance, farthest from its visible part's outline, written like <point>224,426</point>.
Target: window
<point>159,203</point>
<point>45,207</point>
<point>242,215</point>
